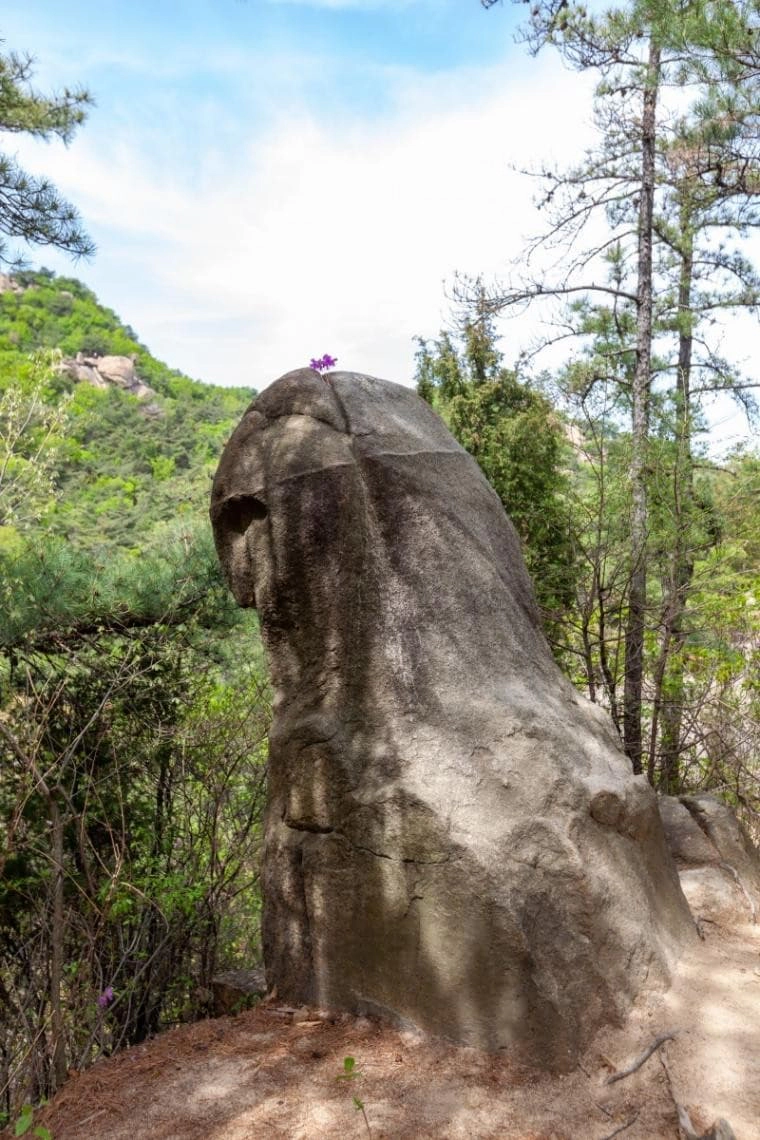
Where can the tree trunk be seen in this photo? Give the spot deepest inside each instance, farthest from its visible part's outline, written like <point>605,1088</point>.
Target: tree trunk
<point>57,943</point>
<point>682,566</point>
<point>634,638</point>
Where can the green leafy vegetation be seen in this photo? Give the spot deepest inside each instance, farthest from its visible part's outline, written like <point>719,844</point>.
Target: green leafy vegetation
<point>643,248</point>
<point>31,209</point>
<point>25,1125</point>
<point>651,224</point>
<point>350,1073</point>
<point>517,439</point>
<point>562,467</point>
<point>126,463</point>
<point>134,704</point>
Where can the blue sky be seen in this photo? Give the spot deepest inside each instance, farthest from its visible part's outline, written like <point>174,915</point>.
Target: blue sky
<point>269,180</point>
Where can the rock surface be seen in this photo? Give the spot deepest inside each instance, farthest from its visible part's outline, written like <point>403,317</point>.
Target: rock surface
<point>234,990</point>
<point>718,864</point>
<point>105,371</point>
<point>9,284</point>
<point>453,836</point>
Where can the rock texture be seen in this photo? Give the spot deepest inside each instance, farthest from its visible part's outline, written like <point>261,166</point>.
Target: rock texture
<point>453,836</point>
<point>718,865</point>
<point>107,371</point>
<point>9,284</point>
<point>235,990</point>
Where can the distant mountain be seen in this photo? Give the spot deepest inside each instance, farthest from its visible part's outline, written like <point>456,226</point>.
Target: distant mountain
<point>142,439</point>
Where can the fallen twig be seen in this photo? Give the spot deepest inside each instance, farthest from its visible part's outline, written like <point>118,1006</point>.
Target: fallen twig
<point>632,1068</point>
<point>603,1108</point>
<point>622,1127</point>
<point>92,1116</point>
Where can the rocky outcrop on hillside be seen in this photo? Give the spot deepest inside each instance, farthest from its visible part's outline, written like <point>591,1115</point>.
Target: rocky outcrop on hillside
<point>107,371</point>
<point>9,284</point>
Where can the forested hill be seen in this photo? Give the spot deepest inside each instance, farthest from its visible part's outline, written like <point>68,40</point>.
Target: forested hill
<point>135,441</point>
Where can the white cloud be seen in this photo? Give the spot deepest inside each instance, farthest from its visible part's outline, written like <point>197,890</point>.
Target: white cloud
<point>310,234</point>
<point>321,236</point>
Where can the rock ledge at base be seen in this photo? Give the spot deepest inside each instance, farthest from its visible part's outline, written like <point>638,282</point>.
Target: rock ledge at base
<point>453,837</point>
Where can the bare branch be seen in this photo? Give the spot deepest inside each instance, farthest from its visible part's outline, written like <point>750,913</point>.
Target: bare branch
<point>643,1058</point>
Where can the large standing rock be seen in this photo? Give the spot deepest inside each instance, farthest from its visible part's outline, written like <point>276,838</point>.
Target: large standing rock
<point>453,835</point>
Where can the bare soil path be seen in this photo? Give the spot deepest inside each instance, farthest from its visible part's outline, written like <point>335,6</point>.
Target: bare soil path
<point>274,1073</point>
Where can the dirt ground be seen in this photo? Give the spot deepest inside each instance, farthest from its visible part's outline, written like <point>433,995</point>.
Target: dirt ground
<point>275,1072</point>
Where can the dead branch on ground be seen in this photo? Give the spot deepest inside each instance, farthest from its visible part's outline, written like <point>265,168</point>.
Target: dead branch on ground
<point>635,1065</point>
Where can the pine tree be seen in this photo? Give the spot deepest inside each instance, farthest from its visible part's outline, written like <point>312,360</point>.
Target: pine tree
<point>640,51</point>
<point>31,209</point>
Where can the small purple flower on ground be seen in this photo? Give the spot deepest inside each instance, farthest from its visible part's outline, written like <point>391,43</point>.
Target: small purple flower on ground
<point>322,364</point>
<point>106,997</point>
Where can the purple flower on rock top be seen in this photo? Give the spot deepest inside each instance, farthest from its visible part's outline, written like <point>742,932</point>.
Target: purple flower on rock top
<point>323,363</point>
<point>106,997</point>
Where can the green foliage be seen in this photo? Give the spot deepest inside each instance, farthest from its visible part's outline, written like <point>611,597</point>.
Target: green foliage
<point>30,207</point>
<point>518,441</point>
<point>677,193</point>
<point>702,632</point>
<point>349,1069</point>
<point>46,311</point>
<point>50,592</point>
<point>123,728</point>
<point>133,701</point>
<point>31,433</point>
<point>124,465</point>
<point>350,1072</point>
<point>26,1121</point>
